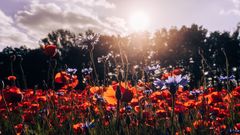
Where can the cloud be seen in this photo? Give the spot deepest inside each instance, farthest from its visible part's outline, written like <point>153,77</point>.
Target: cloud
<point>11,35</point>
<point>91,3</point>
<point>230,12</point>
<point>37,18</point>
<point>234,11</point>
<point>236,3</point>
<point>41,18</point>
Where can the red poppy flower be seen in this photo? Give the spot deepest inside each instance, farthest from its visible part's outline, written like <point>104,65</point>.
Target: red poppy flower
<point>62,77</point>
<point>190,103</point>
<point>165,76</point>
<point>134,102</point>
<point>18,128</point>
<point>12,78</point>
<point>41,98</point>
<point>161,113</point>
<point>72,84</point>
<point>13,95</point>
<point>177,71</point>
<point>215,97</point>
<point>200,123</point>
<point>237,126</point>
<point>94,90</point>
<point>67,80</point>
<point>50,50</point>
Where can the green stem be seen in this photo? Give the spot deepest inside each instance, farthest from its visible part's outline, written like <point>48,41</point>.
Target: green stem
<point>172,114</point>
<point>53,72</point>
<point>7,108</point>
<point>23,76</point>
<point>93,63</point>
<point>227,68</point>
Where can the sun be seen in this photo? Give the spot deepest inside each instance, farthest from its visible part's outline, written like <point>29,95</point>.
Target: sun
<point>139,21</point>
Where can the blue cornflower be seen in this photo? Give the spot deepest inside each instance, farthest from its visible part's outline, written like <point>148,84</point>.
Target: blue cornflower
<point>225,78</point>
<point>89,124</point>
<point>172,82</point>
<point>71,70</point>
<point>147,92</point>
<point>87,71</point>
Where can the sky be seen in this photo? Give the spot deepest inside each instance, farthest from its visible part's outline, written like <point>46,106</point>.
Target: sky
<point>25,22</point>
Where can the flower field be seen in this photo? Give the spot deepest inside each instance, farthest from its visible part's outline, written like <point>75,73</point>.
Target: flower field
<point>120,108</point>
<point>97,85</point>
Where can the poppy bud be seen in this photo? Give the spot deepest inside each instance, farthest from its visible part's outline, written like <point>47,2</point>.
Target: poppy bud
<point>118,93</point>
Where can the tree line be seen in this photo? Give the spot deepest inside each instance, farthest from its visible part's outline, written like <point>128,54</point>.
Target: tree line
<point>194,48</point>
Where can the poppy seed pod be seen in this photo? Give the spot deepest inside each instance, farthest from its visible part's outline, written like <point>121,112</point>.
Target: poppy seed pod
<point>118,93</point>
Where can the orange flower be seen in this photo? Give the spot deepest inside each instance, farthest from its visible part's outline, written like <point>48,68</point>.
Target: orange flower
<point>190,103</point>
<point>214,97</point>
<point>77,127</point>
<point>98,90</point>
<point>12,78</point>
<point>66,79</point>
<point>62,77</point>
<point>72,83</point>
<point>109,96</point>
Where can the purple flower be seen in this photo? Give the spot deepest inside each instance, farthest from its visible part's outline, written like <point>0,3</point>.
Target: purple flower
<point>71,70</point>
<point>225,78</point>
<point>152,69</point>
<point>177,80</point>
<point>158,83</point>
<point>87,71</point>
<point>147,92</point>
<point>172,82</point>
